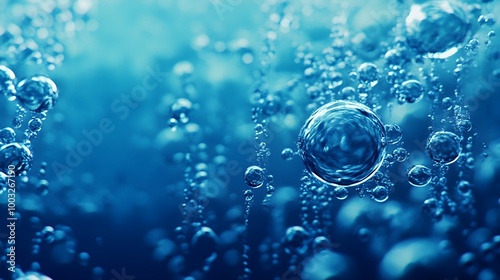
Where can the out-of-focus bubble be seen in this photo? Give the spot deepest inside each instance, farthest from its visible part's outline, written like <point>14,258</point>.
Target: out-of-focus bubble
<point>181,110</point>
<point>327,265</point>
<point>296,240</point>
<point>7,83</point>
<point>205,243</point>
<point>420,258</point>
<point>437,28</point>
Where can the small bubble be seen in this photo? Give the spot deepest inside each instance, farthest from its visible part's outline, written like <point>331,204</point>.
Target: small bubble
<point>35,125</point>
<point>368,74</point>
<point>248,195</point>
<point>380,193</point>
<point>181,110</point>
<point>84,258</point>
<point>411,91</point>
<point>447,103</point>
<point>254,176</point>
<point>419,175</point>
<point>7,135</point>
<point>42,188</point>
<point>7,83</point>
<point>393,133</point>
<point>364,234</point>
<point>47,234</point>
<point>296,240</point>
<point>444,147</point>
<point>341,193</point>
<point>287,154</point>
<point>400,154</point>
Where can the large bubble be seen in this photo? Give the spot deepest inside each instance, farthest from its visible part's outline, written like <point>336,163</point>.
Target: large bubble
<point>437,28</point>
<point>343,143</point>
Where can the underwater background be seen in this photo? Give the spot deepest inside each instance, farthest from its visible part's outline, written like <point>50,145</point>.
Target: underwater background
<point>249,139</point>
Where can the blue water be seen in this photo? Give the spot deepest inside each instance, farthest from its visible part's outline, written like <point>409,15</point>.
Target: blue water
<point>234,139</point>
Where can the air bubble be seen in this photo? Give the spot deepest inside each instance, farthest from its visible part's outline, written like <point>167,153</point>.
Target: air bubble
<point>7,83</point>
<point>419,175</point>
<point>296,240</point>
<point>393,133</point>
<point>464,188</point>
<point>15,154</point>
<point>437,28</point>
<point>181,110</point>
<point>37,93</point>
<point>342,143</point>
<point>368,74</point>
<point>380,194</point>
<point>287,154</point>
<point>341,193</point>
<point>7,135</point>
<point>400,154</point>
<point>444,147</point>
<point>254,176</point>
<point>411,91</point>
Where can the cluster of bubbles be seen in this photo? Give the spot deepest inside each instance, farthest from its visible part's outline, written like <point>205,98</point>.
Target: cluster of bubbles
<point>36,95</point>
<point>35,31</point>
<point>344,144</point>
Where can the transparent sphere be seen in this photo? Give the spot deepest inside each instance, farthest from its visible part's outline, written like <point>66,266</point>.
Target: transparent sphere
<point>37,93</point>
<point>368,73</point>
<point>393,133</point>
<point>341,193</point>
<point>444,147</point>
<point>287,154</point>
<point>7,83</point>
<point>380,193</point>
<point>464,188</point>
<point>254,176</point>
<point>7,135</point>
<point>342,143</point>
<point>400,154</point>
<point>296,240</point>
<point>15,154</point>
<point>411,91</point>
<point>419,175</point>
<point>437,28</point>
